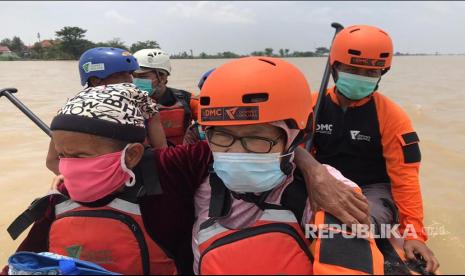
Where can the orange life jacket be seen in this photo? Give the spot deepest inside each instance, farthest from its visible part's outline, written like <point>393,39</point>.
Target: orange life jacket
<point>275,244</point>
<point>112,236</point>
<point>266,248</point>
<point>339,255</point>
<point>176,118</point>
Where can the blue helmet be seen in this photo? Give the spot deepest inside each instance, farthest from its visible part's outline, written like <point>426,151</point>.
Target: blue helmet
<point>102,62</point>
<point>205,77</point>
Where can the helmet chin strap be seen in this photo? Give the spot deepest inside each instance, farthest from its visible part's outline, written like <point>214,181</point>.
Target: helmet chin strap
<point>158,76</point>
<point>334,73</point>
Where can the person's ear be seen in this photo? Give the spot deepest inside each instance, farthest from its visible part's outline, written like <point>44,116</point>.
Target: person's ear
<point>134,154</point>
<point>164,78</point>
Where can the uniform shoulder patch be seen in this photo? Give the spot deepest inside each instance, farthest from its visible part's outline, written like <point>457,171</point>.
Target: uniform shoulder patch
<point>411,148</point>
<point>410,138</point>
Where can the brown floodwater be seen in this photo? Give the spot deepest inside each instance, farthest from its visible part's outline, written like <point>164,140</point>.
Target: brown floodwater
<point>430,89</point>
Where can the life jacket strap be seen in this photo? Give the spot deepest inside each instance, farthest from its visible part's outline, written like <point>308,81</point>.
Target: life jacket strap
<point>258,200</point>
<point>184,97</point>
<point>34,212</point>
<point>220,201</point>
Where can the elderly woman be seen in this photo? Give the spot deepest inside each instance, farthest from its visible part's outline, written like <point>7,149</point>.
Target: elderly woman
<point>257,112</point>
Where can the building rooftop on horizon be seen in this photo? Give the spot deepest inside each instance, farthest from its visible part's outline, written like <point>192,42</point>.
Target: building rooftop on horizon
<point>4,50</point>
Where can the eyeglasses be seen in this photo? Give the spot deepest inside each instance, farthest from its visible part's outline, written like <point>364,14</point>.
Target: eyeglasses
<point>252,144</point>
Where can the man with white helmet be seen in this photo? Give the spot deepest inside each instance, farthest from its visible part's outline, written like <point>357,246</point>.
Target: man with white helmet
<point>177,107</point>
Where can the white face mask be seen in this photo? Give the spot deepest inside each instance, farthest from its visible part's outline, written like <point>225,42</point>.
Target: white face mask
<point>249,172</point>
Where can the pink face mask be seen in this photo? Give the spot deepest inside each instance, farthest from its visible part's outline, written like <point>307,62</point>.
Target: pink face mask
<point>91,179</point>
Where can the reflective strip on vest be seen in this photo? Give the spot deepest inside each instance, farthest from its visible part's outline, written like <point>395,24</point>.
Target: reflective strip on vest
<point>210,232</point>
<point>66,207</point>
<point>117,204</point>
<point>125,206</point>
<point>284,216</point>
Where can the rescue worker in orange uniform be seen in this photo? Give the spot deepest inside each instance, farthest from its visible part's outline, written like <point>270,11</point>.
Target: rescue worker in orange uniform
<point>369,138</point>
<point>250,211</point>
<point>178,108</point>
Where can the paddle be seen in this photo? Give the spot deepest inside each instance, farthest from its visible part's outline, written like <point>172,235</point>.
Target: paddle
<point>323,87</point>
<point>8,93</point>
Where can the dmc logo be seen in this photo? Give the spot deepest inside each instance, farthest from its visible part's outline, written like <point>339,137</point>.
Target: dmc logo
<point>324,128</point>
<point>232,113</point>
<point>213,112</point>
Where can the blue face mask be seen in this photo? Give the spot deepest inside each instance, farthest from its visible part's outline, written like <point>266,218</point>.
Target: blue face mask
<point>249,172</point>
<point>355,87</point>
<point>144,84</point>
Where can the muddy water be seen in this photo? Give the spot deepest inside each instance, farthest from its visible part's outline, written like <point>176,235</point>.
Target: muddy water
<point>430,89</point>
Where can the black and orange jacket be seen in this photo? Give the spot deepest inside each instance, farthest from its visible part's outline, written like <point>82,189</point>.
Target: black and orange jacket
<point>373,141</point>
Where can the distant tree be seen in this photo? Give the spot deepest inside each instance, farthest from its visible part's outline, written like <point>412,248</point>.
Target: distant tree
<point>286,52</point>
<point>321,51</point>
<point>73,43</point>
<point>303,54</point>
<point>148,44</point>
<point>114,43</point>
<point>37,51</point>
<point>229,54</point>
<point>17,46</point>
<point>269,52</point>
<point>281,52</point>
<point>71,34</point>
<point>203,55</point>
<point>6,42</point>
<point>257,53</point>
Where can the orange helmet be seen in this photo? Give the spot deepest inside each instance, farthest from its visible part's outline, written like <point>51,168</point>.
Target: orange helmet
<point>362,46</point>
<point>255,90</point>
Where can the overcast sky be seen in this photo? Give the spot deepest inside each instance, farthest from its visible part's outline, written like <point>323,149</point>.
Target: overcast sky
<point>240,27</point>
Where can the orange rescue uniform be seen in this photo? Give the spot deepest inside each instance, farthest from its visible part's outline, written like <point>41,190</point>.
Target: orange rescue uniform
<point>373,141</point>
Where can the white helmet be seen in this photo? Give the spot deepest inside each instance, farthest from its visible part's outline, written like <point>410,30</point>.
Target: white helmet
<point>153,59</point>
